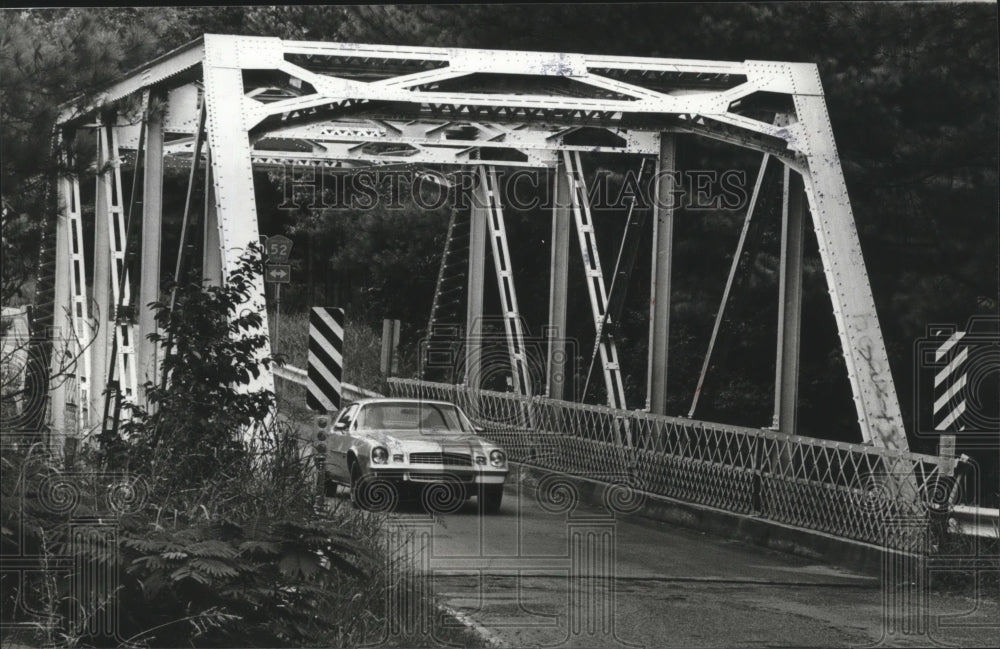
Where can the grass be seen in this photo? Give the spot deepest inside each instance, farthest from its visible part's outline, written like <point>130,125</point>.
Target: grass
<point>362,347</point>
<point>392,591</point>
<point>973,565</point>
<point>362,352</point>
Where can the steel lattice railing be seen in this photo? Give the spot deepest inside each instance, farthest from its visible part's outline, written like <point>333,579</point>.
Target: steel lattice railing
<point>848,490</point>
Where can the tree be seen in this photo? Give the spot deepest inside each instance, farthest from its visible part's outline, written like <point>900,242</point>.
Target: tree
<point>196,420</point>
<point>48,59</point>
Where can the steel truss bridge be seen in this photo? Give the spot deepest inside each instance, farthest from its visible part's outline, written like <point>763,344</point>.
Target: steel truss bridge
<point>224,104</point>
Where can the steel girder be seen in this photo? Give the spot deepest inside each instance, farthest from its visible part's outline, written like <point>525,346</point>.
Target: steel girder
<point>122,374</point>
<point>310,88</point>
<point>232,173</point>
<point>425,141</point>
<point>79,320</point>
<point>511,314</point>
<point>596,289</point>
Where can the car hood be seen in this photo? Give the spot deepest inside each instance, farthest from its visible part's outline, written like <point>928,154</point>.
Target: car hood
<point>414,439</point>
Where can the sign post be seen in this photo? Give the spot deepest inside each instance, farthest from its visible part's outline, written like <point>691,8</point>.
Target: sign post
<point>278,271</point>
<point>389,361</point>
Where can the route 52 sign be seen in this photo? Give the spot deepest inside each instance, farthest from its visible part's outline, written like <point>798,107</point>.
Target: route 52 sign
<point>278,248</point>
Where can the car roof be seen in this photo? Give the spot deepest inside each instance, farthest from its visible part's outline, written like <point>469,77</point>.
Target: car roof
<point>377,400</point>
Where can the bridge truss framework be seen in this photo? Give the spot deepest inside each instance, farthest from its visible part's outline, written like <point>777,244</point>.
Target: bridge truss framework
<point>268,102</point>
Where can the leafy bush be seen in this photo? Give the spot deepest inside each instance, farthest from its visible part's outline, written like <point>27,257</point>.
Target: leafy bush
<point>246,583</point>
<point>220,544</point>
<point>195,423</point>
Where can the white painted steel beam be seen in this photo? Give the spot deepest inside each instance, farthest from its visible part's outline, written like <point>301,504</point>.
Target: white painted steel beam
<point>562,220</point>
<point>338,152</point>
<point>477,279</point>
<point>505,281</point>
<point>693,95</point>
<point>511,61</point>
<point>659,307</point>
<point>62,318</point>
<point>861,339</point>
<point>159,70</point>
<point>729,284</point>
<point>211,247</point>
<point>462,134</point>
<point>232,173</point>
<point>152,240</point>
<point>786,384</point>
<point>594,277</point>
<point>110,185</point>
<point>102,323</point>
<point>80,326</point>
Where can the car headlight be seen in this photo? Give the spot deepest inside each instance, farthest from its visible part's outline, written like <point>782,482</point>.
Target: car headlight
<point>497,458</point>
<point>380,455</point>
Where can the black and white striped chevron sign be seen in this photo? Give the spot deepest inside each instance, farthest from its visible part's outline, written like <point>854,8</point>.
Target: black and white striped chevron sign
<point>950,383</point>
<point>326,358</point>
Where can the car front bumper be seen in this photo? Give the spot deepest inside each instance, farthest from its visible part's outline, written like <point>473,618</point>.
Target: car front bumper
<point>472,476</point>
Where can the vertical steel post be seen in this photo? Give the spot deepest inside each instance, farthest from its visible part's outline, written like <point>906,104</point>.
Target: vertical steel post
<point>786,370</point>
<point>232,175</point>
<point>663,241</point>
<point>103,323</point>
<point>62,327</point>
<point>211,260</point>
<point>79,304</point>
<point>513,326</point>
<point>558,279</point>
<point>596,289</point>
<point>867,361</point>
<point>477,279</point>
<point>152,231</point>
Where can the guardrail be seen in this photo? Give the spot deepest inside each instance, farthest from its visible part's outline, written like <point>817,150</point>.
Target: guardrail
<point>300,377</point>
<point>975,521</point>
<point>852,491</point>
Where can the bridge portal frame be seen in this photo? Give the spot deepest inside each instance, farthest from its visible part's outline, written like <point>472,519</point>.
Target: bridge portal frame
<point>343,99</point>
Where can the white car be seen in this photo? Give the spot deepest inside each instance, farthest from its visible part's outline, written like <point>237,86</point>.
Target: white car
<point>384,449</point>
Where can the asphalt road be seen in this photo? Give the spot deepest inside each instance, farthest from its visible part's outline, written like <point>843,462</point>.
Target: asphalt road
<point>538,575</point>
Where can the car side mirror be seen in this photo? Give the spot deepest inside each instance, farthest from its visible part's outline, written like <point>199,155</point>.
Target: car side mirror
<point>341,426</point>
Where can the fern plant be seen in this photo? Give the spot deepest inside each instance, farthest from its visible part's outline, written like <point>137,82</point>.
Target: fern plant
<point>246,583</point>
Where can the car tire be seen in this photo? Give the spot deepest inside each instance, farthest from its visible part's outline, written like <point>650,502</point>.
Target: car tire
<point>491,499</point>
<point>330,487</point>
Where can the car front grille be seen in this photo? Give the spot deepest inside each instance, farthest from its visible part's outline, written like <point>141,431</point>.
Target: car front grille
<point>446,459</point>
<point>418,476</point>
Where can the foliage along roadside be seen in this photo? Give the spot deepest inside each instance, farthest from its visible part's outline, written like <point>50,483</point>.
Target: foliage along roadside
<point>213,541</point>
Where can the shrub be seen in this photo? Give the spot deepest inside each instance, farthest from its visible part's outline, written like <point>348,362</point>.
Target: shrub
<point>196,422</point>
<point>221,544</point>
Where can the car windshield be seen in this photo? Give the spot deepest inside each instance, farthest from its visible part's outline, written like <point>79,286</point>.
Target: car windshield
<point>430,417</point>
